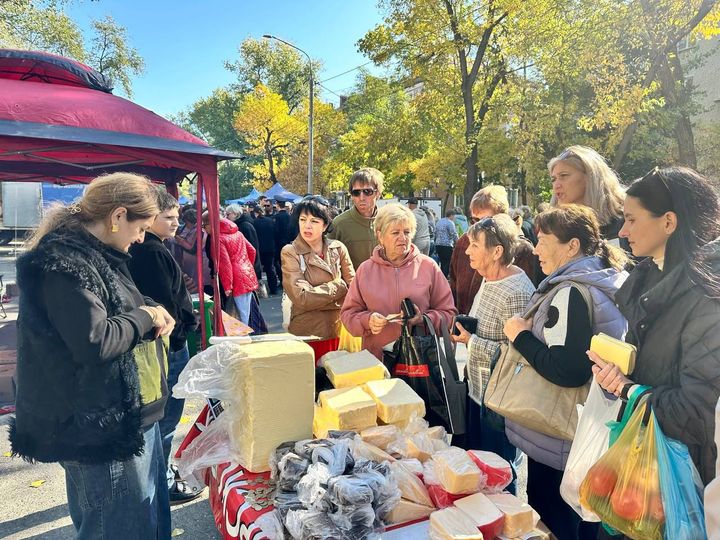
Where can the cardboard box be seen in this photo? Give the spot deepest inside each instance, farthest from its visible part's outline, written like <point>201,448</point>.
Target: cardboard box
<point>7,384</point>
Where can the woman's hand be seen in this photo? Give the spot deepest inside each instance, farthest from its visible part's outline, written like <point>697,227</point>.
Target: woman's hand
<point>162,320</point>
<point>377,322</point>
<point>515,325</point>
<point>464,336</point>
<point>608,375</point>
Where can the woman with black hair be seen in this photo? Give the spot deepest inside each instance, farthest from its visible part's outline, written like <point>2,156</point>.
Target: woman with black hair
<point>316,271</point>
<point>672,303</point>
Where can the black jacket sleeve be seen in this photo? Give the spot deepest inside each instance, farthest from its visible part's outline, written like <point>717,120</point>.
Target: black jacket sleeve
<point>568,328</point>
<point>83,323</point>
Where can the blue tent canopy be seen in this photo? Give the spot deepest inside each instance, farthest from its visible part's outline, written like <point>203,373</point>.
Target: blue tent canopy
<point>252,196</point>
<point>278,193</point>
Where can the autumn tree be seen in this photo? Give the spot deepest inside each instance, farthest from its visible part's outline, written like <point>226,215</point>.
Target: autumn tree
<point>264,121</point>
<point>110,54</point>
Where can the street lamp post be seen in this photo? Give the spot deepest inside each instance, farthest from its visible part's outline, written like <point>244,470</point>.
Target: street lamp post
<point>310,120</point>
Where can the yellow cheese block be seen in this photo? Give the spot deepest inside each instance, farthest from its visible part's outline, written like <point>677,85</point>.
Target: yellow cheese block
<point>349,408</point>
<point>456,472</point>
<point>406,511</point>
<point>452,524</point>
<point>396,401</point>
<point>274,385</point>
<point>519,517</point>
<point>354,369</point>
<point>614,351</point>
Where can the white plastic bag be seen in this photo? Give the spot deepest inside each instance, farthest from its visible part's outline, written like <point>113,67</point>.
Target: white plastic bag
<point>592,438</point>
<point>207,374</point>
<point>286,305</point>
<point>211,447</point>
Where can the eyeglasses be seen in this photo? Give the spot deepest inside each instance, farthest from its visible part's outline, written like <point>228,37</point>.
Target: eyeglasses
<point>367,191</point>
<point>267,206</point>
<point>317,198</point>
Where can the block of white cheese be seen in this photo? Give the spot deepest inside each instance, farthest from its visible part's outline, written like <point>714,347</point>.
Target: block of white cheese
<point>349,408</point>
<point>456,472</point>
<point>519,518</point>
<point>274,385</point>
<point>354,369</point>
<point>406,511</point>
<point>396,401</point>
<point>486,516</point>
<point>452,524</point>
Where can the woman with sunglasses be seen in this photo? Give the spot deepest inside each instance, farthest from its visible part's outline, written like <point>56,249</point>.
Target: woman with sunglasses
<point>504,291</point>
<point>672,303</point>
<point>316,272</point>
<point>575,302</point>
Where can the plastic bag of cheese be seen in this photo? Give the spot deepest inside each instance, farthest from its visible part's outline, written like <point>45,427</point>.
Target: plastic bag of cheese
<point>411,487</point>
<point>452,523</point>
<point>380,436</point>
<point>497,471</point>
<point>456,472</point>
<point>363,450</point>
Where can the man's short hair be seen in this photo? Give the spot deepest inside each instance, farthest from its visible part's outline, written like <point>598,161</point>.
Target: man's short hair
<point>368,175</point>
<point>492,198</point>
<point>165,201</point>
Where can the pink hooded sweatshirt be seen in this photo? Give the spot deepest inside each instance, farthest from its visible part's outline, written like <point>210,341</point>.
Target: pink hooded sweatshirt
<point>381,287</point>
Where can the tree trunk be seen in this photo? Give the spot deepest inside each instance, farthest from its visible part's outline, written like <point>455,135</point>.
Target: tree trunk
<point>471,176</point>
<point>683,126</point>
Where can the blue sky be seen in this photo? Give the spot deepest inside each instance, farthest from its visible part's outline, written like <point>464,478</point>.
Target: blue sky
<point>185,43</point>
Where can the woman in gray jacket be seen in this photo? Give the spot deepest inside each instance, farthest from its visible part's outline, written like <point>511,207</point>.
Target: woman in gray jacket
<point>573,255</point>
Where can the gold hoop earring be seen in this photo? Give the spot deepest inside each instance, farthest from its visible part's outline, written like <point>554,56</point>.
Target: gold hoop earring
<point>114,228</point>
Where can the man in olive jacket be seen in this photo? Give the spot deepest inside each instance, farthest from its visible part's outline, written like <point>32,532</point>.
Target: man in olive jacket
<point>356,227</point>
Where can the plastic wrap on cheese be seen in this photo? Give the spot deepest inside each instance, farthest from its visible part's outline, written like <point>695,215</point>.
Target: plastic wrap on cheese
<point>396,401</point>
<point>411,487</point>
<point>456,472</point>
<point>363,450</point>
<point>452,524</point>
<point>273,399</point>
<point>498,472</point>
<point>519,516</point>
<point>380,436</point>
<point>486,516</point>
<point>406,511</point>
<point>354,369</point>
<point>349,408</point>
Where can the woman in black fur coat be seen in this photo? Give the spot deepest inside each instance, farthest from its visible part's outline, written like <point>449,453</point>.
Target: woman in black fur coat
<point>91,369</point>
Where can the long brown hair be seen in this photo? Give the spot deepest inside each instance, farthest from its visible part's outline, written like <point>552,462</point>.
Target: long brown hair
<point>577,221</point>
<point>106,193</point>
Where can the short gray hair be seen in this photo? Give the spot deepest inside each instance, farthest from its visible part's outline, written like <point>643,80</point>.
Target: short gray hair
<point>502,232</point>
<point>235,208</point>
<point>395,213</point>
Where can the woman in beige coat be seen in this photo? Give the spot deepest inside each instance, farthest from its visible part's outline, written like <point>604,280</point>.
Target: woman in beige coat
<point>316,272</point>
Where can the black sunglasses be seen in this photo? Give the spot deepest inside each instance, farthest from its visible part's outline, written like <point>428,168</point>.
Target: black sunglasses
<point>487,224</point>
<point>367,191</point>
<point>317,198</point>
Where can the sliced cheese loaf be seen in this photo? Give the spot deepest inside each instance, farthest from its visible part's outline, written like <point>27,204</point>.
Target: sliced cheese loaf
<point>354,369</point>
<point>396,401</point>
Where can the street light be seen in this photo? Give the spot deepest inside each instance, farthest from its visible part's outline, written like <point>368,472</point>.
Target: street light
<point>310,121</point>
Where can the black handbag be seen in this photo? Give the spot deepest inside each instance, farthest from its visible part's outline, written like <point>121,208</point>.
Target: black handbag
<point>428,366</point>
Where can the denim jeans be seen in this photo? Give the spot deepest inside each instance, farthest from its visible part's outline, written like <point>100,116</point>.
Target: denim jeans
<point>177,360</point>
<point>120,499</point>
<point>242,303</point>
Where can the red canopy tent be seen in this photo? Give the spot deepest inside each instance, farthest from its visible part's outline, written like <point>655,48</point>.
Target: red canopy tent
<point>59,122</point>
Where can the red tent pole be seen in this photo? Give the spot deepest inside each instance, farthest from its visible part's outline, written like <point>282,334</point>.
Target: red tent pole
<point>212,197</point>
<point>199,259</point>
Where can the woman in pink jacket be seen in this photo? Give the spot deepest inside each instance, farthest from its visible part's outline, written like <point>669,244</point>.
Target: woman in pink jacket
<point>396,270</point>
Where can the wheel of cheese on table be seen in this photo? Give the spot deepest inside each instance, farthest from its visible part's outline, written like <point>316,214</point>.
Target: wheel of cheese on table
<point>274,401</point>
<point>396,401</point>
<point>486,516</point>
<point>519,518</point>
<point>354,369</point>
<point>456,472</point>
<point>451,524</point>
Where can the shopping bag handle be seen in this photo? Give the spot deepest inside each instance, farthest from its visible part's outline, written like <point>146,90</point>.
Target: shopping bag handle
<point>629,406</point>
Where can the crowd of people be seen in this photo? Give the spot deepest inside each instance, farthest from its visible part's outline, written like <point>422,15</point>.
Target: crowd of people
<point>640,264</point>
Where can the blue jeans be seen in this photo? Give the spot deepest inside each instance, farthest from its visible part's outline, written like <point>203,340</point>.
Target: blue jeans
<point>242,303</point>
<point>177,361</point>
<point>120,499</point>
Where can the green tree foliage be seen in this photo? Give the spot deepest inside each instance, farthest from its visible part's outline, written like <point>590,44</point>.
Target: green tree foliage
<point>110,54</point>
